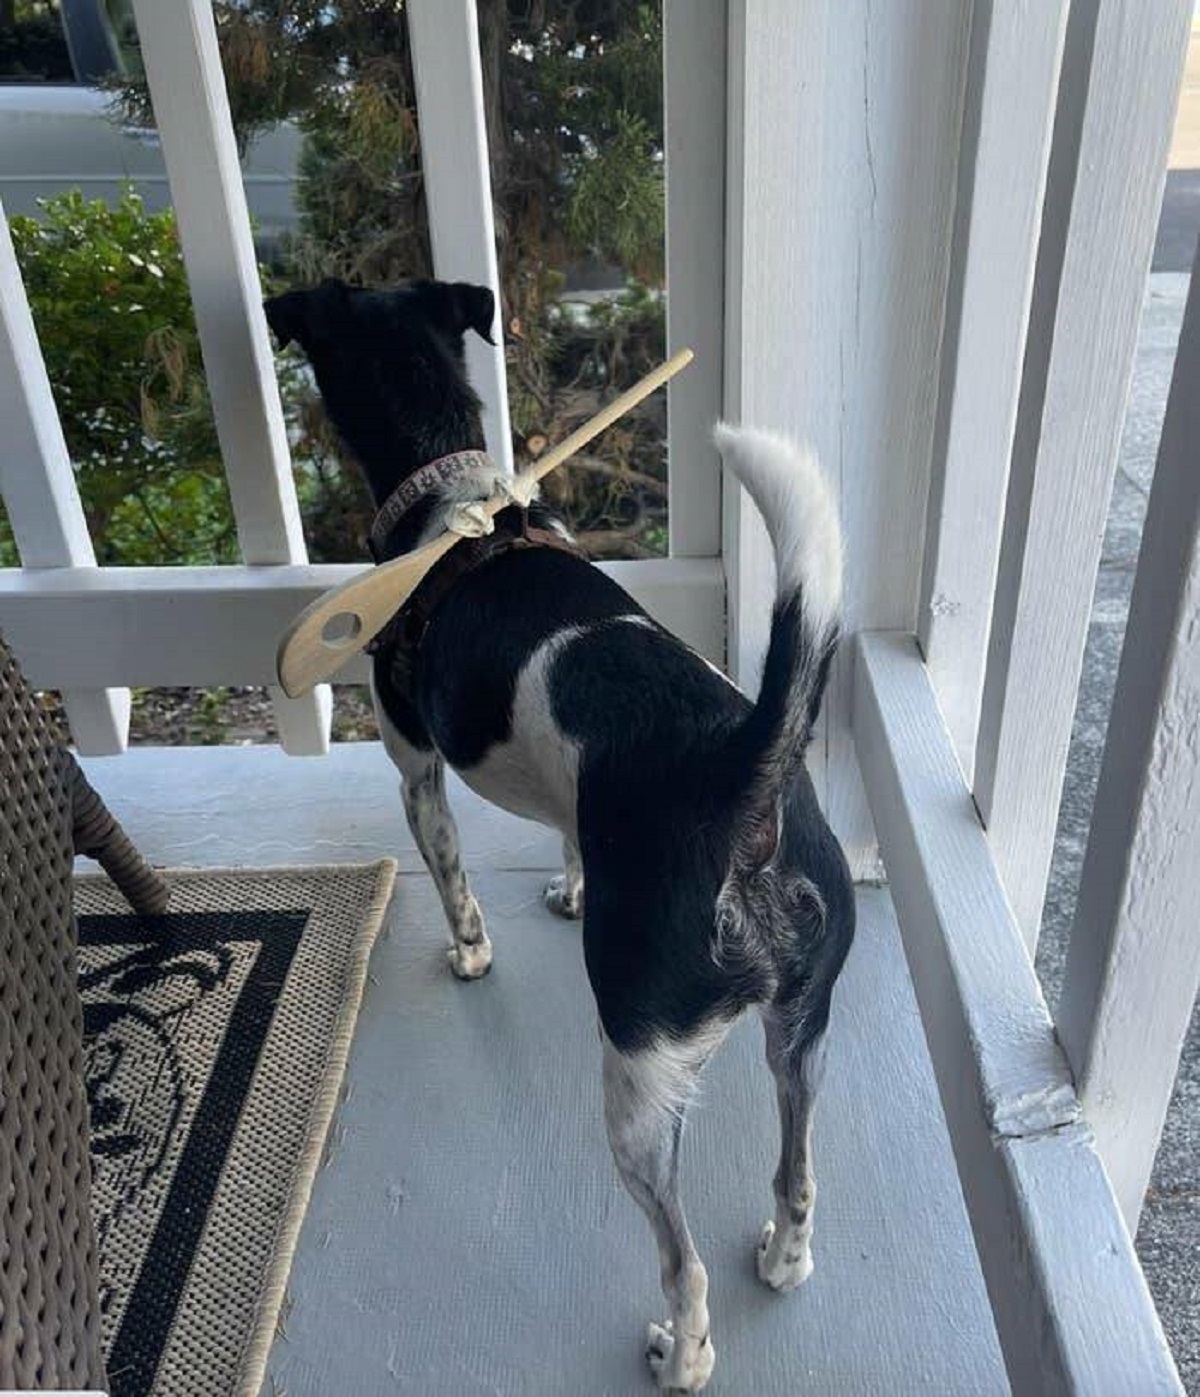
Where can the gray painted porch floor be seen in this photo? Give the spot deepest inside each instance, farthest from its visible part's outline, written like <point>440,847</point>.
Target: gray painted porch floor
<point>469,1235</point>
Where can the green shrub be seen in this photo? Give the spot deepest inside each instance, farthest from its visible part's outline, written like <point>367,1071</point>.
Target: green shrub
<point>110,301</point>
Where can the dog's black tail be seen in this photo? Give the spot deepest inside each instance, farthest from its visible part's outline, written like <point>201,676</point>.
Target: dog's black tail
<point>786,483</point>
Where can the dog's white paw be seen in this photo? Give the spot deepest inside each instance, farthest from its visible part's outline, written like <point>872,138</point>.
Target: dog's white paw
<point>678,1367</point>
<point>564,898</point>
<point>784,1262</point>
<point>470,961</point>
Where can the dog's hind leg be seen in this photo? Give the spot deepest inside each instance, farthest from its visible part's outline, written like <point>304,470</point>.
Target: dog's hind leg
<point>564,893</point>
<point>423,788</point>
<point>645,1095</point>
<point>785,1247</point>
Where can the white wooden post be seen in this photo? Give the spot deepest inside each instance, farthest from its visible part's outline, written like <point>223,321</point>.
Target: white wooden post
<point>1072,1311</point>
<point>844,125</point>
<point>39,491</point>
<point>1133,965</point>
<point>1012,83</point>
<point>444,37</point>
<point>694,63</point>
<point>191,109</point>
<point>1069,420</point>
<point>761,39</point>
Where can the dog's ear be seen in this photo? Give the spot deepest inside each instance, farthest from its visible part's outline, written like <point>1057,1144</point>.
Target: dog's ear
<point>285,316</point>
<point>462,307</point>
<point>305,316</point>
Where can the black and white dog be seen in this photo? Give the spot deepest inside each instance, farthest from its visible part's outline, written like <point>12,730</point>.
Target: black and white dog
<point>713,883</point>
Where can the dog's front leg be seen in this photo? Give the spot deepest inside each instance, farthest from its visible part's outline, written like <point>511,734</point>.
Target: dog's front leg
<point>423,788</point>
<point>644,1100</point>
<point>433,828</point>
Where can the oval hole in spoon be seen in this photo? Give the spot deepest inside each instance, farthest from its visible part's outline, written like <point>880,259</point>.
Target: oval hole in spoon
<point>341,629</point>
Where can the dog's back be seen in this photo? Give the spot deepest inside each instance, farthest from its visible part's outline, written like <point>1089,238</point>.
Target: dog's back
<point>706,858</point>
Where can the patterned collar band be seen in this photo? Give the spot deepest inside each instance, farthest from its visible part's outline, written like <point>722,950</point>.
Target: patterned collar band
<point>423,481</point>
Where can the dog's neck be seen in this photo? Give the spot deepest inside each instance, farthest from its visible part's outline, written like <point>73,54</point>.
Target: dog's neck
<point>387,469</point>
<point>455,426</point>
<point>457,431</point>
<point>443,478</point>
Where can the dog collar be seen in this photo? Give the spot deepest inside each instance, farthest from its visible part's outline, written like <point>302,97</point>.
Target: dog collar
<point>444,471</point>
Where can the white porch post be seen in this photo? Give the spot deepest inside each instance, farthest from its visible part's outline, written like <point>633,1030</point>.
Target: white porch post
<point>766,288</point>
<point>39,491</point>
<point>843,139</point>
<point>191,109</point>
<point>1133,965</point>
<point>1117,105</point>
<point>694,62</point>
<point>767,93</point>
<point>444,37</point>
<point>1012,82</point>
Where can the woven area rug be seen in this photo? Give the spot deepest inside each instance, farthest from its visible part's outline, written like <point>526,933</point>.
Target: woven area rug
<point>216,1037</point>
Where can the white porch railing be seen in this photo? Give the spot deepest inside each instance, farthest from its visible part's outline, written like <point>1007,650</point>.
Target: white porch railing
<point>206,626</point>
<point>918,235</point>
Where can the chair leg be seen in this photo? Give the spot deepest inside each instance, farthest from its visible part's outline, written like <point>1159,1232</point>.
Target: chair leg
<point>99,836</point>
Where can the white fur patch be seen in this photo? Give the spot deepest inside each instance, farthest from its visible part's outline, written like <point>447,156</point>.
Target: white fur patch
<point>667,1073</point>
<point>535,774</point>
<point>784,1257</point>
<point>787,485</point>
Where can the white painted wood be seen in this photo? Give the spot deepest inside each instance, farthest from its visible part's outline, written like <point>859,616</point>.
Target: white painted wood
<point>1070,1303</point>
<point>39,492</point>
<point>444,38</point>
<point>990,1021</point>
<point>1094,1328</point>
<point>298,722</point>
<point>221,625</point>
<point>1083,332</point>
<point>1133,964</point>
<point>745,547</point>
<point>1016,51</point>
<point>844,125</point>
<point>98,719</point>
<point>191,109</point>
<point>694,63</point>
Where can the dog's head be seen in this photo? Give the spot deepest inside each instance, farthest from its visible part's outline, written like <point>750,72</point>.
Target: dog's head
<point>390,367</point>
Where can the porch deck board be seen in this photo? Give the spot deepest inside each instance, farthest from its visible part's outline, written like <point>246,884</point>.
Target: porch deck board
<point>469,1234</point>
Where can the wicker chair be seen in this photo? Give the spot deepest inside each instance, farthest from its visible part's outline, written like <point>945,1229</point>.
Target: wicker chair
<point>49,1317</point>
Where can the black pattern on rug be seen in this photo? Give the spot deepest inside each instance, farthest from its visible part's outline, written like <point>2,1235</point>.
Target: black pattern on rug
<point>176,1011</point>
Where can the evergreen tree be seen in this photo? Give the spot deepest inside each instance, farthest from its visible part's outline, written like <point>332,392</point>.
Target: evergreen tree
<point>573,99</point>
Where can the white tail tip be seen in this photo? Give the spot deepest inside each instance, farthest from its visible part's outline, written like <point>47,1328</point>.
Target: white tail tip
<point>789,488</point>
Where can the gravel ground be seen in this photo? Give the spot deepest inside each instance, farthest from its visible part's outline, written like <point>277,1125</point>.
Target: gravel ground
<point>237,717</point>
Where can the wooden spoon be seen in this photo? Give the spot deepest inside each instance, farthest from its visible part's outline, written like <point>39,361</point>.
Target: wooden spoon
<point>337,625</point>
